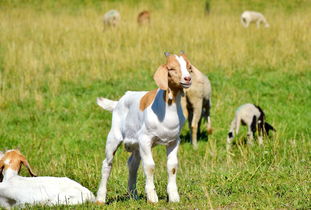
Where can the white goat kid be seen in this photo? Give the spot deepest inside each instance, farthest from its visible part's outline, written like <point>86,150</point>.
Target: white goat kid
<point>143,119</point>
<point>254,118</point>
<point>16,190</point>
<point>248,17</point>
<point>196,104</point>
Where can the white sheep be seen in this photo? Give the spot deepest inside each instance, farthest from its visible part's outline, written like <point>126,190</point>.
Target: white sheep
<point>196,104</point>
<point>254,118</point>
<point>16,190</point>
<point>111,18</point>
<point>248,17</point>
<point>144,119</point>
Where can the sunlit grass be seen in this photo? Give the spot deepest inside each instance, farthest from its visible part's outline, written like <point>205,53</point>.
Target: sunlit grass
<point>55,62</point>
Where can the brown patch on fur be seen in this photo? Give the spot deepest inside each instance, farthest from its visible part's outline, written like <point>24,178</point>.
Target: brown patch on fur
<point>151,170</point>
<point>16,159</point>
<point>143,17</point>
<point>173,170</point>
<point>147,99</point>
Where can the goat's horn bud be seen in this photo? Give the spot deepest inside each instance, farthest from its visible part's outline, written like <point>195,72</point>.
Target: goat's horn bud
<point>167,54</point>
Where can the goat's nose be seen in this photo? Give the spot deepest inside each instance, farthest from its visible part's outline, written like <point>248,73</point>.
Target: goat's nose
<point>187,79</point>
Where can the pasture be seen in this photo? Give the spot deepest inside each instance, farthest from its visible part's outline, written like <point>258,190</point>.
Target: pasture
<point>55,59</point>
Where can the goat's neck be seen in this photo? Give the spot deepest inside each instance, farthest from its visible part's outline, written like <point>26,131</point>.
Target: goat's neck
<point>8,173</point>
<point>172,96</point>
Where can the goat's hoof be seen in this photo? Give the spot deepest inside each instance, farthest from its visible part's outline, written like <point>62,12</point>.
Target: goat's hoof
<point>100,203</point>
<point>174,198</point>
<point>195,146</point>
<point>152,197</point>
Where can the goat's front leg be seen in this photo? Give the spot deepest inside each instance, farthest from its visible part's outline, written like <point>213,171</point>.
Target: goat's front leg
<point>172,165</point>
<point>250,135</point>
<point>145,145</point>
<point>197,112</point>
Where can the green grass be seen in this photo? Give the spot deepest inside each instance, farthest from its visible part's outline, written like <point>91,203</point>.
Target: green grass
<point>55,60</point>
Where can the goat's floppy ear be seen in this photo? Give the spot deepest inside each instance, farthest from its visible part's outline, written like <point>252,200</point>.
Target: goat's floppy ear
<point>25,162</point>
<point>269,127</point>
<point>161,77</point>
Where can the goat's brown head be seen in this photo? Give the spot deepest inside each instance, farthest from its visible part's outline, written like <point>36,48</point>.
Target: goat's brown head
<point>175,74</point>
<point>13,159</point>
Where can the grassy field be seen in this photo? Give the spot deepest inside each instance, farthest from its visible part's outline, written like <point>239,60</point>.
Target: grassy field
<point>55,60</point>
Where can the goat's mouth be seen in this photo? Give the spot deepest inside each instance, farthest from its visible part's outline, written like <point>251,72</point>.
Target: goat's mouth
<point>186,84</point>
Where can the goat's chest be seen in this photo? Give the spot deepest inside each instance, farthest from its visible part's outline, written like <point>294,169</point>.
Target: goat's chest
<point>166,124</point>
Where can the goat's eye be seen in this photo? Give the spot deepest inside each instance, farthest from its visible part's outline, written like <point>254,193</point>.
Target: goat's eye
<point>190,69</point>
<point>171,69</point>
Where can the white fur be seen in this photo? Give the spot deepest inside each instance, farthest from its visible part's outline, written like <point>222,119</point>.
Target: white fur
<point>19,190</point>
<point>16,190</point>
<point>159,123</point>
<point>245,115</point>
<point>111,18</point>
<point>248,17</point>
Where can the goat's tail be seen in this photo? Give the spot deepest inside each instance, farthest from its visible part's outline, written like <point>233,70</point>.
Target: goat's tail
<point>107,104</point>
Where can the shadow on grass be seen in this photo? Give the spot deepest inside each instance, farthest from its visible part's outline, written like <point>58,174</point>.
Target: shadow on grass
<point>186,138</point>
<point>127,197</point>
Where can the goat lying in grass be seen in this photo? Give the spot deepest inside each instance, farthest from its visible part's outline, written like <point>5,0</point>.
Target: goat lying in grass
<point>144,119</point>
<point>196,104</point>
<point>254,118</point>
<point>16,190</point>
<point>248,17</point>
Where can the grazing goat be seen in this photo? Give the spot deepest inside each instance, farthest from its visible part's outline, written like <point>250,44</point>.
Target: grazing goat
<point>252,116</point>
<point>248,17</point>
<point>111,18</point>
<point>143,17</point>
<point>196,104</point>
<point>144,119</point>
<point>16,190</point>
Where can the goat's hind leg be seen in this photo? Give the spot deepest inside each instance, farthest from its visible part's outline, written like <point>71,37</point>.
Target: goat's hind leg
<point>133,165</point>
<point>112,145</point>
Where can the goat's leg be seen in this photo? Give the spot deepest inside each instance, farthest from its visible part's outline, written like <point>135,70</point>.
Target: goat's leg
<point>260,133</point>
<point>233,128</point>
<point>172,165</point>
<point>145,145</point>
<point>197,111</point>
<point>184,106</point>
<point>250,135</point>
<point>258,23</point>
<point>112,145</point>
<point>133,165</point>
<point>208,118</point>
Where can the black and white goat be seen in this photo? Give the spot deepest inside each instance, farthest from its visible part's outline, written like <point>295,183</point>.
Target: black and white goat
<point>254,118</point>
